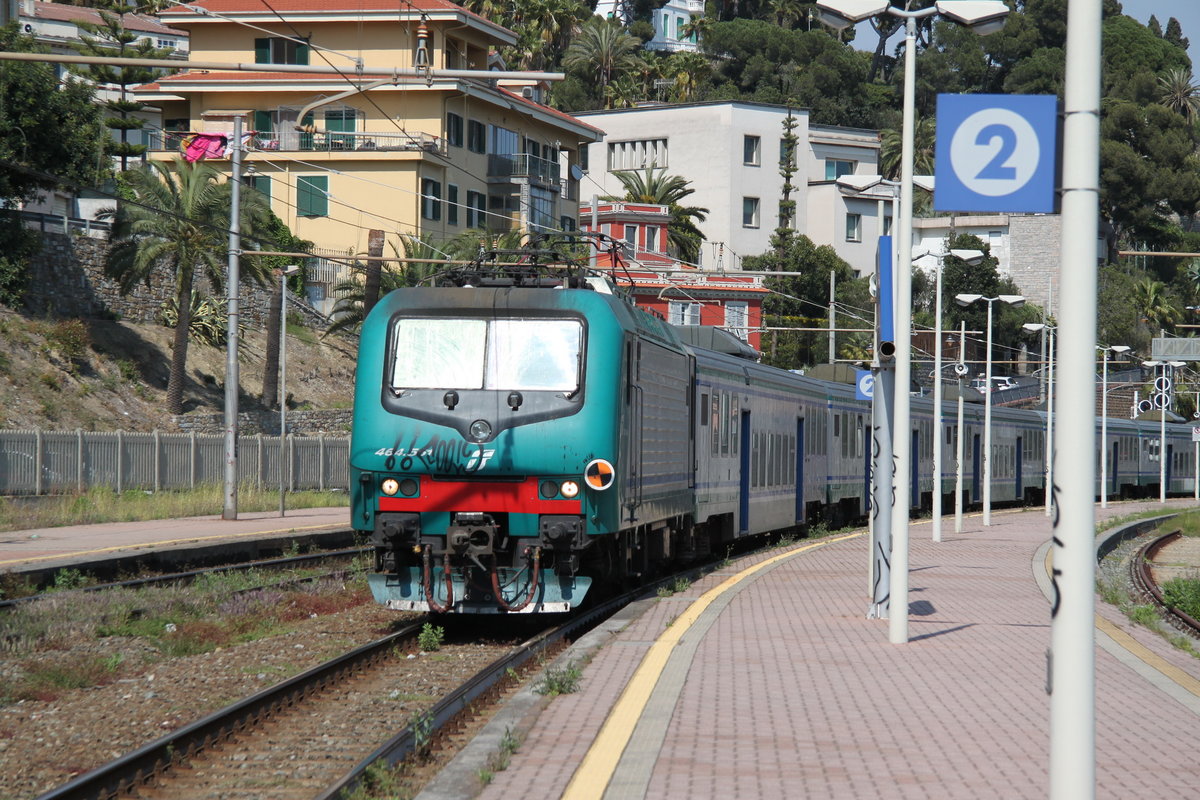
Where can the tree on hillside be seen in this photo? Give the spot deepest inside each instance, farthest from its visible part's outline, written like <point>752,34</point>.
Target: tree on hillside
<point>960,278</point>
<point>655,186</point>
<point>603,49</point>
<point>1180,93</point>
<point>111,38</point>
<point>51,136</point>
<point>178,222</point>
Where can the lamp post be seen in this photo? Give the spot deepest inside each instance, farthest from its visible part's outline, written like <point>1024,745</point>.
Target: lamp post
<point>984,17</point>
<point>1049,330</point>
<point>1116,348</point>
<point>972,258</point>
<point>1167,368</point>
<point>283,276</point>
<point>966,300</point>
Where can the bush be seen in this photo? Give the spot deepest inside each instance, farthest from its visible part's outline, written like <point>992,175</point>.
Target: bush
<point>70,338</point>
<point>430,638</point>
<point>1183,594</point>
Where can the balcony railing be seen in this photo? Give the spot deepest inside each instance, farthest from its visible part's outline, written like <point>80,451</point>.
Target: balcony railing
<point>293,141</point>
<point>522,165</point>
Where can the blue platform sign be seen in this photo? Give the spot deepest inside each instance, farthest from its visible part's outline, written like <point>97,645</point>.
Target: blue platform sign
<point>864,384</point>
<point>996,152</point>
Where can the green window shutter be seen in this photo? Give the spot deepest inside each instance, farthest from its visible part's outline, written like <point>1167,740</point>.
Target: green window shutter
<point>263,184</point>
<point>262,51</point>
<point>311,199</point>
<point>262,122</point>
<point>452,204</point>
<point>302,54</point>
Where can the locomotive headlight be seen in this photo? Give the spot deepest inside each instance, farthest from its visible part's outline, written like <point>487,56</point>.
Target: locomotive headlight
<point>408,487</point>
<point>480,430</point>
<point>389,486</point>
<point>549,489</point>
<point>570,489</point>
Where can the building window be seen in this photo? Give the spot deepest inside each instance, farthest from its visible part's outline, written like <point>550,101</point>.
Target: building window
<point>787,153</point>
<point>166,44</point>
<point>504,141</point>
<point>638,154</point>
<point>887,225</point>
<point>583,157</point>
<point>652,239</point>
<point>737,318</point>
<point>567,223</point>
<point>541,208</point>
<point>787,215</point>
<point>854,227</point>
<point>750,150</point>
<point>431,199</point>
<point>836,168</point>
<point>476,210</point>
<point>631,237</point>
<point>454,129</point>
<point>679,313</point>
<point>276,50</point>
<point>749,212</point>
<point>451,204</point>
<point>476,136</point>
<point>260,183</point>
<point>312,195</point>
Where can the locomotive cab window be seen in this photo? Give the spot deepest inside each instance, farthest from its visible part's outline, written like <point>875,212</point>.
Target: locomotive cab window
<point>496,354</point>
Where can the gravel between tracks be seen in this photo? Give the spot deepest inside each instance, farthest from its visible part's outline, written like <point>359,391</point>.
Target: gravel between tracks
<point>44,744</point>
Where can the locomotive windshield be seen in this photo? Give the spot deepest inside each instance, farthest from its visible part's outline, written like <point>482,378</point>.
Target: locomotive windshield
<point>500,354</point>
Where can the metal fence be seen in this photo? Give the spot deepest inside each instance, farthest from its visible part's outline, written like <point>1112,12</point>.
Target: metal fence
<point>49,462</point>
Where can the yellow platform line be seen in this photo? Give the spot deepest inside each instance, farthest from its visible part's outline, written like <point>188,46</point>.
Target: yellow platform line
<point>142,545</point>
<point>591,778</point>
<point>1148,656</point>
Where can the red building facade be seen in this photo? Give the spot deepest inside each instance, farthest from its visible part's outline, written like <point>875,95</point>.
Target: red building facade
<point>678,292</point>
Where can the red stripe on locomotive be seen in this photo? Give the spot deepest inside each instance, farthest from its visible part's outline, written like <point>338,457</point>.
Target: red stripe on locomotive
<point>519,498</point>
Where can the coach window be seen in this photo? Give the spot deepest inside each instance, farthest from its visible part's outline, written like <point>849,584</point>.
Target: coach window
<point>733,425</point>
<point>724,423</point>
<point>858,438</point>
<point>704,409</point>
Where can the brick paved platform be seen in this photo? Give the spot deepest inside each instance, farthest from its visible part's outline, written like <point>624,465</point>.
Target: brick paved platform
<point>783,689</point>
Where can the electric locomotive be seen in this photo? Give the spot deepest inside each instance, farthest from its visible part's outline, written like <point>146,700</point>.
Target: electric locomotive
<point>514,436</point>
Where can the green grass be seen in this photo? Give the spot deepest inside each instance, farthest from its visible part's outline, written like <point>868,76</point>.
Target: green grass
<point>105,505</point>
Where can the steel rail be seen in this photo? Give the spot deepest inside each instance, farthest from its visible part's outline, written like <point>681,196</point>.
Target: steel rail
<point>128,772</point>
<point>1141,570</point>
<point>189,575</point>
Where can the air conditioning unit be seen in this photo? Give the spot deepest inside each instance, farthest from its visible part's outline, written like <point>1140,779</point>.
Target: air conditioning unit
<point>528,92</point>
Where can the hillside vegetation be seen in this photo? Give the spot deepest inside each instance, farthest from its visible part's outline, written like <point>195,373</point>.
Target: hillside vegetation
<point>106,375</point>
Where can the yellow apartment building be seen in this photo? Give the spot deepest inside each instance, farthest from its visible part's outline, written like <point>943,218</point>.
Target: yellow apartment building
<point>436,155</point>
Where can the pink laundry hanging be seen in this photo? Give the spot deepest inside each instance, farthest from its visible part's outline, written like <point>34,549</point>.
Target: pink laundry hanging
<point>205,145</point>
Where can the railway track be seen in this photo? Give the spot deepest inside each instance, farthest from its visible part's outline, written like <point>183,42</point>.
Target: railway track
<point>316,734</point>
<point>1141,568</point>
<point>280,564</point>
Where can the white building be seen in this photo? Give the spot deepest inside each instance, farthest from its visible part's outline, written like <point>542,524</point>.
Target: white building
<point>730,152</point>
<point>669,22</point>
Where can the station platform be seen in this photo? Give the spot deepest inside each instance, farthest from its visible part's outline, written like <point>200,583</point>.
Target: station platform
<point>765,680</point>
<point>167,543</point>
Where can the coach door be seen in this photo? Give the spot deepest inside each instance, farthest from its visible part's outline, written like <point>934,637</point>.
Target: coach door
<point>915,469</point>
<point>1170,456</point>
<point>799,469</point>
<point>744,475</point>
<point>975,470</point>
<point>1116,459</point>
<point>1018,462</point>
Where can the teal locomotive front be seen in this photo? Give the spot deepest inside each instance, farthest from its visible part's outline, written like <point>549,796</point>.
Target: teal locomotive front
<point>485,452</point>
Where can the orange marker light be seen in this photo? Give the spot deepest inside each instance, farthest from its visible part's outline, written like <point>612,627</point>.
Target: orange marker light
<point>599,474</point>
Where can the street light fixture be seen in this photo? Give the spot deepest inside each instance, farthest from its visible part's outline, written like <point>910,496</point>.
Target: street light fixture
<point>1162,429</point>
<point>972,258</point>
<point>1051,330</point>
<point>1116,348</point>
<point>982,15</point>
<point>291,269</point>
<point>1014,300</point>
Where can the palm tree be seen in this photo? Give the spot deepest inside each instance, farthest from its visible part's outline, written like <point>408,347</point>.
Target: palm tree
<point>1152,300</point>
<point>602,46</point>
<point>1180,93</point>
<point>689,70</point>
<point>179,222</point>
<point>655,186</point>
<point>924,136</point>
